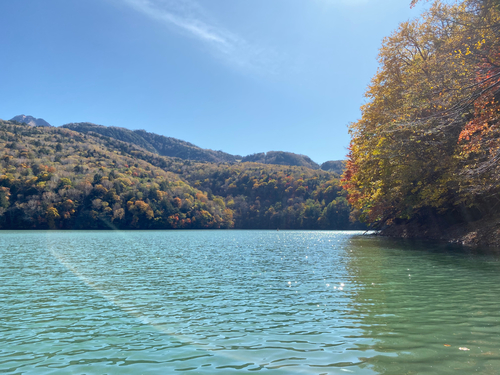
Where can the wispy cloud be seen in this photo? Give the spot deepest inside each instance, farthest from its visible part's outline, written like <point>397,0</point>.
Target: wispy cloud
<point>189,18</point>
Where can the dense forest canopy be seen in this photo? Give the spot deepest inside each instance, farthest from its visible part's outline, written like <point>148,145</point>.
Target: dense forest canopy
<point>61,178</point>
<point>428,142</point>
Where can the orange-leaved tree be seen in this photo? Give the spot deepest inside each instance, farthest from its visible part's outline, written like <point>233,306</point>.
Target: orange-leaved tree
<point>431,117</point>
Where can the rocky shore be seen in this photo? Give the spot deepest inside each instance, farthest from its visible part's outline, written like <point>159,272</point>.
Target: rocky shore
<point>480,233</point>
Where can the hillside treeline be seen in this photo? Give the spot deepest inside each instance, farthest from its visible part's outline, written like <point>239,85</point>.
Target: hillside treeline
<point>63,179</point>
<point>281,158</point>
<point>168,146</point>
<point>158,144</point>
<point>428,142</point>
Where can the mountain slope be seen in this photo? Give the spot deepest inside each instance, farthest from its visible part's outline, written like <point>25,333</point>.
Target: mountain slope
<point>168,146</point>
<point>173,147</point>
<point>336,166</point>
<point>58,178</point>
<point>30,120</point>
<point>121,134</point>
<point>158,144</point>
<point>281,158</point>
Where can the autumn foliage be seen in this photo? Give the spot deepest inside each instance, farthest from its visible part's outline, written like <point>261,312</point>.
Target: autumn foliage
<point>428,141</point>
<point>57,178</point>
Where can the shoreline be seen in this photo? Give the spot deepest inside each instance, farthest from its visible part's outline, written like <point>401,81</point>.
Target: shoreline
<point>481,233</point>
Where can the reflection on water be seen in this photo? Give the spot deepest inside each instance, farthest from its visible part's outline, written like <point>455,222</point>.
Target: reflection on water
<point>225,302</point>
<point>432,309</point>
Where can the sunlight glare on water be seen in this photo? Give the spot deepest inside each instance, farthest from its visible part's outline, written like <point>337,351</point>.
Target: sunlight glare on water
<point>225,302</point>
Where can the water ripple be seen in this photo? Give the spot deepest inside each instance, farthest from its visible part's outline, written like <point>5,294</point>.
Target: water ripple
<point>229,302</point>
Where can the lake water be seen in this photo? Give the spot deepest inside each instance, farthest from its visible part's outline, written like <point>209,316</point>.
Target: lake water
<point>231,302</point>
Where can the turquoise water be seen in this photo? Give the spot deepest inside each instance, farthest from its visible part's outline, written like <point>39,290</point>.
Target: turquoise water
<point>230,302</point>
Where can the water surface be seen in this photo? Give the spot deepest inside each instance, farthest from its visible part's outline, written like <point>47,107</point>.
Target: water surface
<point>227,302</point>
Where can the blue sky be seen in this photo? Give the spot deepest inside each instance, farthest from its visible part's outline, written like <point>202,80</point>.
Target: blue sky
<point>232,75</point>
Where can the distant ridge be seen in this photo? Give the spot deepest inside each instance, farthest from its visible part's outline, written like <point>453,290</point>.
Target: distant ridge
<point>282,158</point>
<point>168,146</point>
<point>30,120</point>
<point>173,147</point>
<point>336,166</point>
<point>158,144</point>
<point>121,134</point>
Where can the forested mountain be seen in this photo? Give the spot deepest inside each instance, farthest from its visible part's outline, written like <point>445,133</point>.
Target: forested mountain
<point>121,134</point>
<point>337,166</point>
<point>159,144</point>
<point>168,146</point>
<point>30,120</point>
<point>60,178</point>
<point>281,158</point>
<point>425,154</point>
